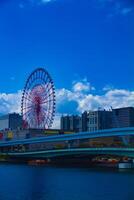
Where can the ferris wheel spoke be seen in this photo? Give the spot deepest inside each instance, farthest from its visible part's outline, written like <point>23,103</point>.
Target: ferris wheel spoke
<point>27,113</point>
<point>40,73</point>
<point>29,96</point>
<point>51,100</point>
<point>47,124</point>
<point>27,107</point>
<point>31,82</point>
<point>46,121</point>
<point>38,123</point>
<point>49,87</point>
<point>37,120</point>
<point>48,100</point>
<point>46,77</point>
<point>47,111</point>
<point>49,119</point>
<point>50,122</point>
<point>29,116</point>
<point>44,87</point>
<point>30,120</point>
<point>27,99</point>
<point>46,97</point>
<point>44,117</point>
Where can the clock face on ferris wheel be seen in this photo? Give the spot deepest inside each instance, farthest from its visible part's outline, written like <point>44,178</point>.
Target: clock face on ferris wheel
<point>38,100</point>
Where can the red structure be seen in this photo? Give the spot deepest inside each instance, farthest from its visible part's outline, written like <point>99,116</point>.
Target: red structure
<point>38,100</point>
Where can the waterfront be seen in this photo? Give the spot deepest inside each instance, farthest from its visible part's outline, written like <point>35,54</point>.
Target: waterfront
<point>24,182</point>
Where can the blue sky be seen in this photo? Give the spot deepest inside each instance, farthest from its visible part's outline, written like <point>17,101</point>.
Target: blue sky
<point>78,38</point>
<point>78,41</point>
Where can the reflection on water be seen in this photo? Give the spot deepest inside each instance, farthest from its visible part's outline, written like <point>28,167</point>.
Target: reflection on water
<point>23,182</point>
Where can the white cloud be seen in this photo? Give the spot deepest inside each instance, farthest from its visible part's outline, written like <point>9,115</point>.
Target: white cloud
<point>108,87</point>
<point>45,1</point>
<point>72,102</point>
<point>22,4</point>
<point>78,87</point>
<point>39,2</point>
<point>87,101</point>
<point>10,102</point>
<point>116,7</point>
<point>82,86</point>
<point>115,98</point>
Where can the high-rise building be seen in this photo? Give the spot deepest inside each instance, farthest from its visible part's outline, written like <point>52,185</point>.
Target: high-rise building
<point>75,123</point>
<point>84,122</point>
<point>10,121</point>
<point>88,121</point>
<point>65,123</point>
<point>98,120</point>
<point>70,123</point>
<point>123,117</point>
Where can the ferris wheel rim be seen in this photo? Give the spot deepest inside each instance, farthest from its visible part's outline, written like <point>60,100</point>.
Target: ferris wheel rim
<point>47,113</point>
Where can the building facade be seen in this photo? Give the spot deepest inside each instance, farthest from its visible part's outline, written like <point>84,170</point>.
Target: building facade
<point>65,123</point>
<point>11,121</point>
<point>70,123</point>
<point>98,120</point>
<point>123,117</point>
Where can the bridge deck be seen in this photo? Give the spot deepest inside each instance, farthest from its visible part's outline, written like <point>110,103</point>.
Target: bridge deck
<point>74,151</point>
<point>74,136</point>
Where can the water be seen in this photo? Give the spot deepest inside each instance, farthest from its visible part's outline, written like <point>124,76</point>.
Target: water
<point>23,182</point>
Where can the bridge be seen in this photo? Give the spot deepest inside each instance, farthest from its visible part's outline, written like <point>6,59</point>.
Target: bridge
<point>128,152</point>
<point>116,142</point>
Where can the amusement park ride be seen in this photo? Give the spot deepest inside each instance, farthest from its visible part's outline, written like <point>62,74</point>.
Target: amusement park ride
<point>38,100</point>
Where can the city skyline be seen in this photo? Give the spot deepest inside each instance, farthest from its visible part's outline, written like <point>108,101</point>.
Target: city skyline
<point>66,99</point>
<point>87,47</point>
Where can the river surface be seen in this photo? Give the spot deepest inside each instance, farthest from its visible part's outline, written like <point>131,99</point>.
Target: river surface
<point>23,182</point>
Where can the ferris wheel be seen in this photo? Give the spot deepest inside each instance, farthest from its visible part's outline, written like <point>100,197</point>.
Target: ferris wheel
<point>38,100</point>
